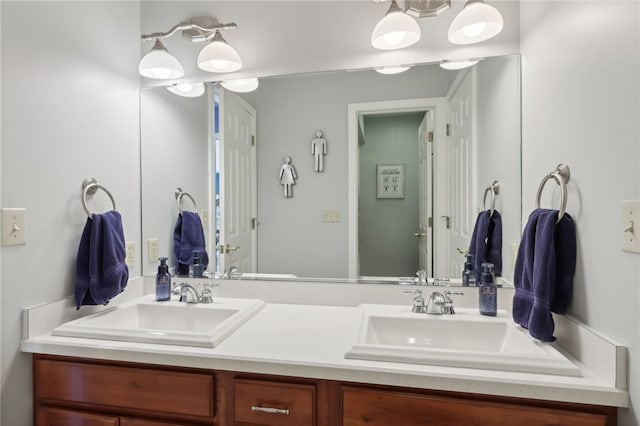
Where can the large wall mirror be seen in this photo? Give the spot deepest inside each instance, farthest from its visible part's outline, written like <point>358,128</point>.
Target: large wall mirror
<point>337,224</point>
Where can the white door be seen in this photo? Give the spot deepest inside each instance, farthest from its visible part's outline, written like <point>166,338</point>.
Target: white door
<point>461,173</point>
<point>238,193</point>
<point>425,200</point>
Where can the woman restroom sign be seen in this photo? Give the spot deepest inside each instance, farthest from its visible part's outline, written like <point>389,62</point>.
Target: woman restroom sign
<point>390,180</point>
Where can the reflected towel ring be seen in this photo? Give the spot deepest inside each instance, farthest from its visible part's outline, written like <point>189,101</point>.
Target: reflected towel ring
<point>561,175</point>
<point>179,193</point>
<point>494,189</point>
<point>89,187</point>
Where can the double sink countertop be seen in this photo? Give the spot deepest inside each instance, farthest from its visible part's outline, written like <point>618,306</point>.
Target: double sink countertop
<point>292,337</point>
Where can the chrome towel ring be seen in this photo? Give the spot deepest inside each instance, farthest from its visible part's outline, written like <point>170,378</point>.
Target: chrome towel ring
<point>493,189</point>
<point>89,187</point>
<point>179,193</point>
<point>561,175</point>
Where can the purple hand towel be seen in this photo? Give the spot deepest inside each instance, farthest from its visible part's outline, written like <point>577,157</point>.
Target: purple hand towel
<point>544,272</point>
<point>486,241</point>
<point>188,236</point>
<point>101,270</point>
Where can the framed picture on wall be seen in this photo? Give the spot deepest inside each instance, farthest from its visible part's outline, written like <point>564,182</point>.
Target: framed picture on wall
<point>390,180</point>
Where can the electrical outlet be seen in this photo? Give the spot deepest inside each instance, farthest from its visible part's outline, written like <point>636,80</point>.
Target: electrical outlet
<point>630,225</point>
<point>331,216</point>
<point>153,251</point>
<point>14,227</point>
<point>130,260</point>
<point>204,217</point>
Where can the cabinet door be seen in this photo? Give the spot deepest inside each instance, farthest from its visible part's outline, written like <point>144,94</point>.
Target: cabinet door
<point>47,416</point>
<point>389,408</point>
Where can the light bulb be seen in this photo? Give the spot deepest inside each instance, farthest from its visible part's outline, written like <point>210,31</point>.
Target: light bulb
<point>395,30</point>
<point>218,56</point>
<point>160,64</point>
<point>476,22</point>
<point>241,85</point>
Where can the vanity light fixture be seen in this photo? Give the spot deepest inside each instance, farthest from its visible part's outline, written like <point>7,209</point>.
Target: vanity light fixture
<point>217,56</point>
<point>476,22</point>
<point>389,70</point>
<point>241,85</point>
<point>188,90</point>
<point>160,64</point>
<point>458,65</point>
<point>395,30</point>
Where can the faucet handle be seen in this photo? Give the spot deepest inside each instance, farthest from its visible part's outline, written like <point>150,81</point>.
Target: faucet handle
<point>418,301</point>
<point>207,294</point>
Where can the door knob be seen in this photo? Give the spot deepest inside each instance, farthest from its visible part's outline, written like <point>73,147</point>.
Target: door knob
<point>227,248</point>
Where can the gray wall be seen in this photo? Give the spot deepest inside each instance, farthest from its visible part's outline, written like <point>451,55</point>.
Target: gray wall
<point>70,110</point>
<point>292,237</point>
<point>498,134</point>
<point>580,105</point>
<point>174,146</point>
<point>386,226</point>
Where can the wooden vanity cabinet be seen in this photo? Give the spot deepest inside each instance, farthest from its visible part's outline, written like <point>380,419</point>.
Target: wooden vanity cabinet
<point>84,392</point>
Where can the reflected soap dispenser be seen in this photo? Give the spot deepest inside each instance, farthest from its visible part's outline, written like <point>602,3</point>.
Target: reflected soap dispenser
<point>163,281</point>
<point>196,267</point>
<point>488,292</point>
<point>469,273</point>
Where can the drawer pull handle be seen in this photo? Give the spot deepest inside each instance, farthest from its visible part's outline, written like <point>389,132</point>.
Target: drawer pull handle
<point>271,410</point>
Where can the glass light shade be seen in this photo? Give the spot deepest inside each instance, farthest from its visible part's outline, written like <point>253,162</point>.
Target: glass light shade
<point>458,65</point>
<point>476,22</point>
<point>241,85</point>
<point>160,64</point>
<point>219,57</point>
<point>187,90</point>
<point>393,69</point>
<point>395,30</point>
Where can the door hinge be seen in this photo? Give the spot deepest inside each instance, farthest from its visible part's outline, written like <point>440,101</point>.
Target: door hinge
<point>254,222</point>
<point>430,222</point>
<point>253,140</point>
<point>448,129</point>
<point>430,136</point>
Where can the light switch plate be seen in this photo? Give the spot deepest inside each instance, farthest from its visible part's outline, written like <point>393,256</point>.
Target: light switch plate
<point>130,260</point>
<point>630,225</point>
<point>331,216</point>
<point>14,227</point>
<point>153,252</point>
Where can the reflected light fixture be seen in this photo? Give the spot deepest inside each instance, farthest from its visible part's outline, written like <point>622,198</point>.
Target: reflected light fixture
<point>476,22</point>
<point>216,56</point>
<point>241,85</point>
<point>397,69</point>
<point>160,64</point>
<point>395,30</point>
<point>458,65</point>
<point>188,90</point>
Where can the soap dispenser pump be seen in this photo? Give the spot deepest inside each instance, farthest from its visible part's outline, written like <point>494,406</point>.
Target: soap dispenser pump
<point>163,281</point>
<point>488,292</point>
<point>469,273</point>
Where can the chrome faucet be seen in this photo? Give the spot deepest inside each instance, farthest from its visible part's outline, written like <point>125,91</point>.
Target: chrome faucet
<point>189,293</point>
<point>232,272</point>
<point>440,303</point>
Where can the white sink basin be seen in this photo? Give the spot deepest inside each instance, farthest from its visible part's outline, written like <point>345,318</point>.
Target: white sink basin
<point>466,339</point>
<point>169,323</point>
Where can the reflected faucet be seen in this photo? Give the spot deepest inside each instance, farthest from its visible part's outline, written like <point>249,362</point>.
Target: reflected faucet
<point>189,293</point>
<point>232,272</point>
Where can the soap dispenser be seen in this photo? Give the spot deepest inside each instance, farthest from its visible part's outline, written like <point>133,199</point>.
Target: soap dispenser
<point>163,281</point>
<point>488,292</point>
<point>469,273</point>
<point>196,268</point>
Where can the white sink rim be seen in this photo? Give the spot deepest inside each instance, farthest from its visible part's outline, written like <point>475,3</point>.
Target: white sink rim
<point>89,326</point>
<point>519,353</point>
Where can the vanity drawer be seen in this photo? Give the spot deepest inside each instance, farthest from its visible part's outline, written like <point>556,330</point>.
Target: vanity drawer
<point>128,388</point>
<point>258,402</point>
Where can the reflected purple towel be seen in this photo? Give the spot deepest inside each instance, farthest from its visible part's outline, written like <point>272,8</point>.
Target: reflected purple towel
<point>101,270</point>
<point>544,272</point>
<point>188,236</point>
<point>486,241</point>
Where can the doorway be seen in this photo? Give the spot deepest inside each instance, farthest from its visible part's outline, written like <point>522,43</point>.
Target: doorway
<point>419,225</point>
